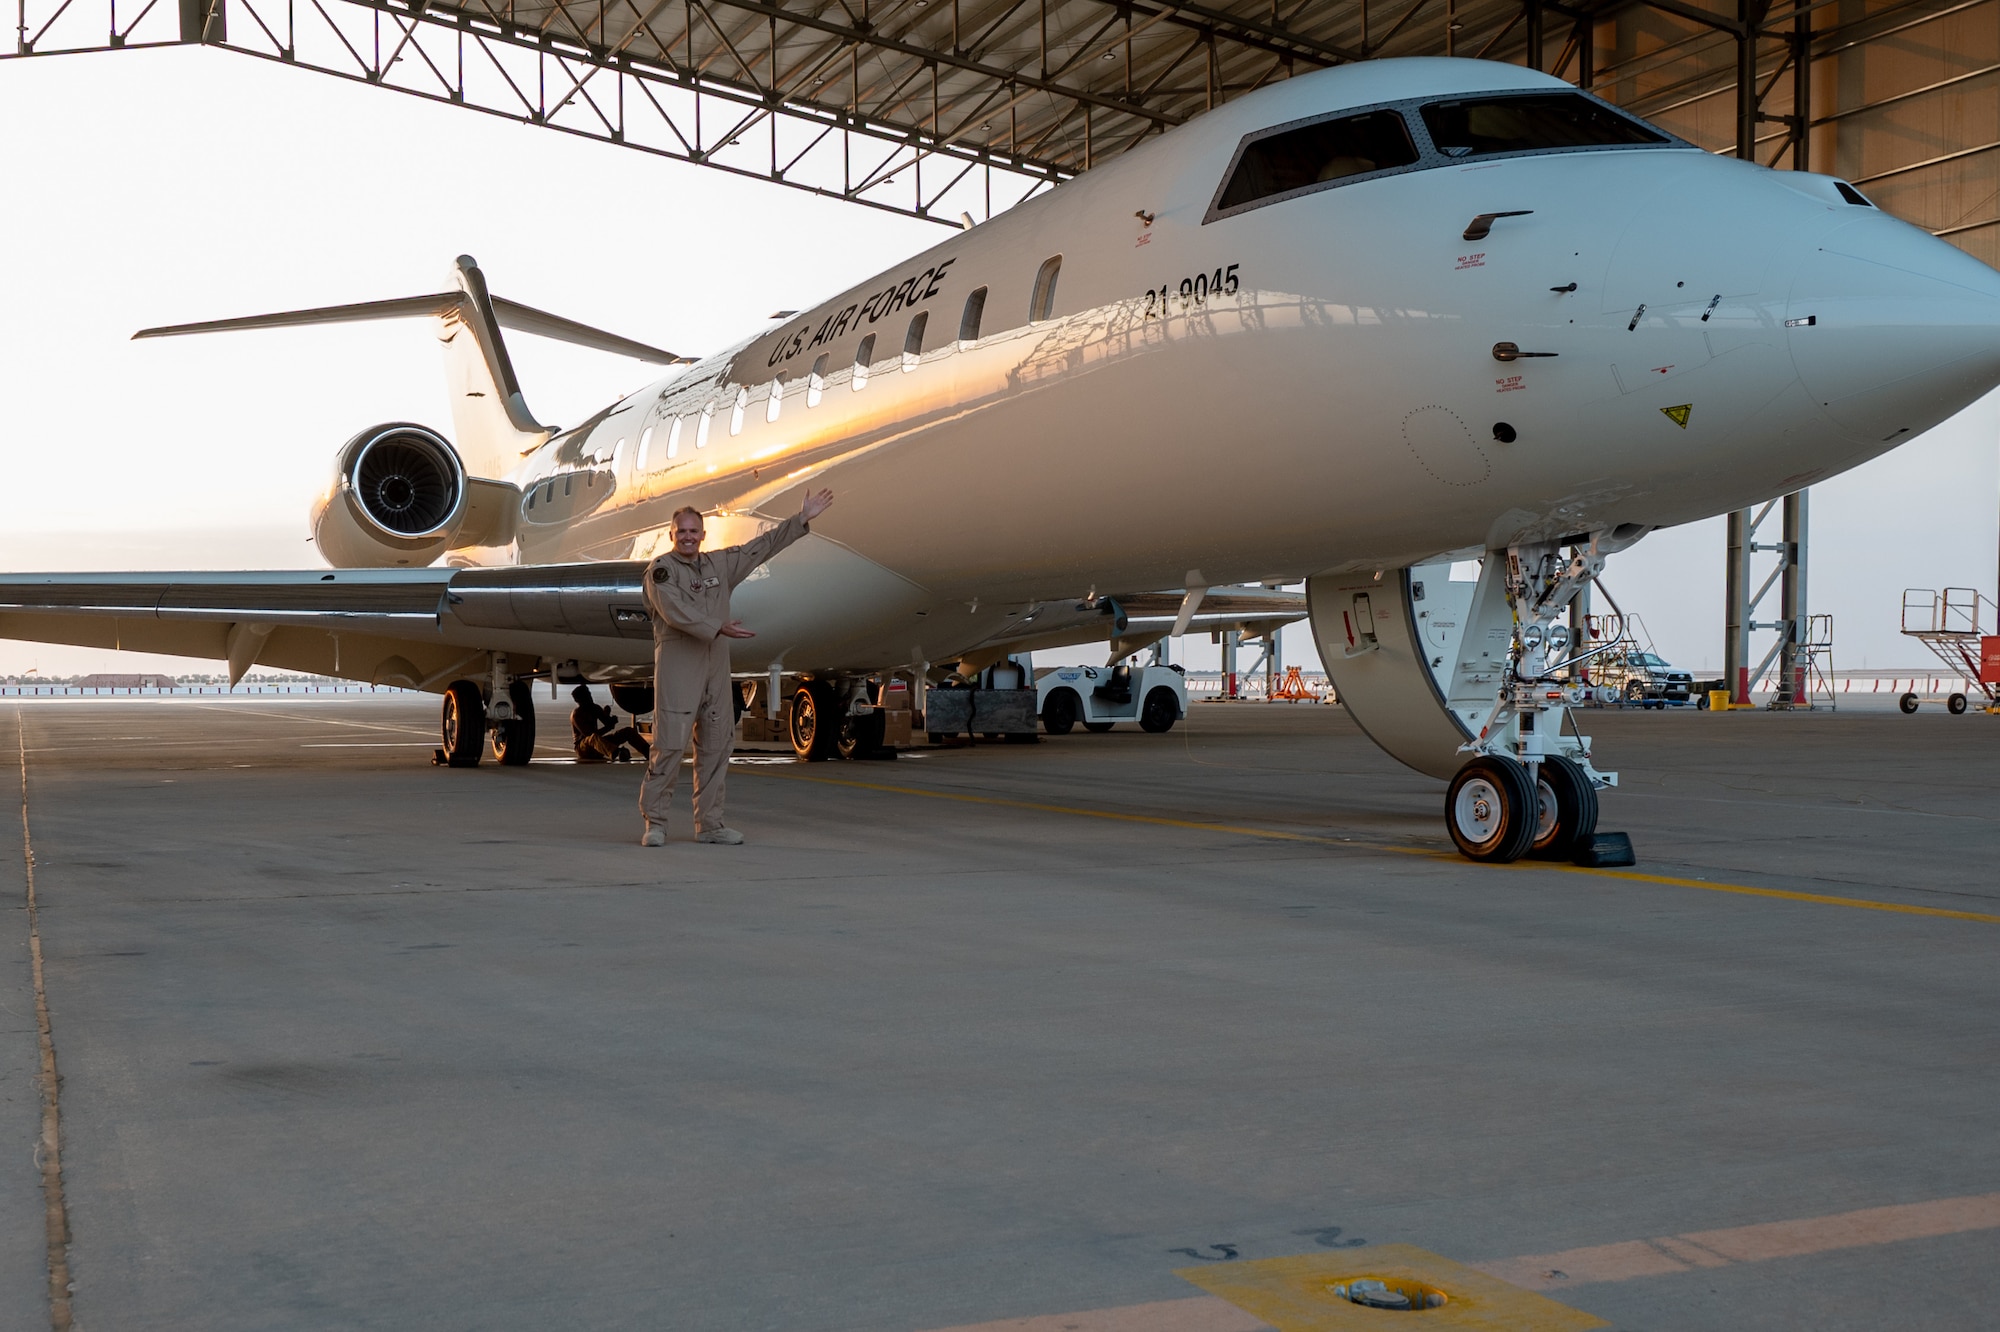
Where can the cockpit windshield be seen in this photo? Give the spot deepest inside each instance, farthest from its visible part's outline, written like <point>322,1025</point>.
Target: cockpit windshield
<point>1476,126</point>
<point>1293,160</point>
<point>1318,154</point>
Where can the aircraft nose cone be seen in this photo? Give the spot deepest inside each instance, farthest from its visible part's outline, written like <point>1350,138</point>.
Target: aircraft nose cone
<point>1892,330</point>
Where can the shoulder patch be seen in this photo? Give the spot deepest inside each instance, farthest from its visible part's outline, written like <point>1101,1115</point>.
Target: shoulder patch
<point>659,575</point>
<point>734,549</point>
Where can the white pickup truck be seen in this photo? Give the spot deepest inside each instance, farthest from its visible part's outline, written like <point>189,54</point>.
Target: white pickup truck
<point>1102,696</point>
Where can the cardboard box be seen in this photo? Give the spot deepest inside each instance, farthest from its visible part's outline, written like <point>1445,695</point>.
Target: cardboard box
<point>896,728</point>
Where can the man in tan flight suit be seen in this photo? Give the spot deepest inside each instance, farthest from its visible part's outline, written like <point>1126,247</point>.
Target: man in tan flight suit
<point>687,591</point>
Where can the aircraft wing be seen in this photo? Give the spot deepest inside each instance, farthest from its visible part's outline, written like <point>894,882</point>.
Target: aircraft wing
<point>415,628</point>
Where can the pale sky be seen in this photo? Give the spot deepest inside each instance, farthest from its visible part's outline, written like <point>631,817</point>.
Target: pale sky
<point>164,186</point>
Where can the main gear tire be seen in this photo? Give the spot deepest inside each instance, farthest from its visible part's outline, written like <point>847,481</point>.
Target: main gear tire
<point>463,725</point>
<point>635,696</point>
<point>813,727</point>
<point>1565,809</point>
<point>1490,810</point>
<point>862,736</point>
<point>514,741</point>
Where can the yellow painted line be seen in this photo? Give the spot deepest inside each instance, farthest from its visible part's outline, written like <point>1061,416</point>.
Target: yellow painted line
<point>1783,894</point>
<point>1274,834</point>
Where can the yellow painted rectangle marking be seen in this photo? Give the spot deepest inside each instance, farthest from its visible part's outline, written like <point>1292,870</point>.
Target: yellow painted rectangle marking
<point>1296,1295</point>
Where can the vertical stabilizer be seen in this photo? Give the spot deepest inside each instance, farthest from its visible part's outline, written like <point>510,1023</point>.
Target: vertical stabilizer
<point>490,418</point>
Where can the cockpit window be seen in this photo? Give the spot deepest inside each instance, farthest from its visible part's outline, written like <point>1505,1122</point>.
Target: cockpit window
<point>1360,145</point>
<point>1318,154</point>
<point>1477,126</point>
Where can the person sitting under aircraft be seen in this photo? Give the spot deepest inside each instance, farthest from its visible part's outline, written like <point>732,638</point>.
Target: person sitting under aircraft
<point>599,738</point>
<point>687,592</point>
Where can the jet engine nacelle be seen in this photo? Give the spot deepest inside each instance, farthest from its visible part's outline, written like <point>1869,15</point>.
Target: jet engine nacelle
<point>400,496</point>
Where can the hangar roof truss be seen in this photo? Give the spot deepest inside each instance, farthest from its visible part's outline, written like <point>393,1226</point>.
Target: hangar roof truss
<point>936,107</point>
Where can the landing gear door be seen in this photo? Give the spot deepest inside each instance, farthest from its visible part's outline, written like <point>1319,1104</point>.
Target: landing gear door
<point>1431,677</point>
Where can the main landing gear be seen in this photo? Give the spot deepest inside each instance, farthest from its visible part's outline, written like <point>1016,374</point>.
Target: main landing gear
<point>468,716</point>
<point>836,718</point>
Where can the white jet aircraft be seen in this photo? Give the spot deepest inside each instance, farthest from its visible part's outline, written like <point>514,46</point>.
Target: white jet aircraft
<point>1350,328</point>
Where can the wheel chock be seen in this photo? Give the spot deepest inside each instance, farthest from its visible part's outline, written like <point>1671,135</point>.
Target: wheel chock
<point>1605,851</point>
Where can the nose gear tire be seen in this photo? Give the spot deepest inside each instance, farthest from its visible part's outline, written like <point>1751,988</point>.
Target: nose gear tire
<point>1565,810</point>
<point>1490,810</point>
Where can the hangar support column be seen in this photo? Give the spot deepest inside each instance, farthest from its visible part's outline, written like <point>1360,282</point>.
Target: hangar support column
<point>1740,542</point>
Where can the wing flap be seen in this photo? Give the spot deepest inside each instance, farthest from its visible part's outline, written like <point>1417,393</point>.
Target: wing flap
<point>303,596</point>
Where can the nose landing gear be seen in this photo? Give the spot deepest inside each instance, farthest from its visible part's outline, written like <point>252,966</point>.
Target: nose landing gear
<point>1529,789</point>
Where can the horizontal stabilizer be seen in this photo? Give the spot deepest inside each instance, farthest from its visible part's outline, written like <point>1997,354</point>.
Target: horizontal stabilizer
<point>509,314</point>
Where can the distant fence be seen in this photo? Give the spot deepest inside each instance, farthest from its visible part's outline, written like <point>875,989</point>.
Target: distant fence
<point>1205,685</point>
<point>192,691</point>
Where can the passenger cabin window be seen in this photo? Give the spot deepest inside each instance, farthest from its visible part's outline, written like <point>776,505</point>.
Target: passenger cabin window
<point>975,310</point>
<point>913,341</point>
<point>777,399</point>
<point>1042,303</point>
<point>701,431</point>
<point>674,438</point>
<point>1478,126</point>
<point>816,381</point>
<point>736,412</point>
<point>1295,160</point>
<point>645,447</point>
<point>862,356</point>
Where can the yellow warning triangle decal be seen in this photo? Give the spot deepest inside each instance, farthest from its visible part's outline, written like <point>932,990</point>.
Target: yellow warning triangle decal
<point>1679,415</point>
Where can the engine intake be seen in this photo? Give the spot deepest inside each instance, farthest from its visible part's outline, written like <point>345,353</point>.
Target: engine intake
<point>409,481</point>
<point>398,498</point>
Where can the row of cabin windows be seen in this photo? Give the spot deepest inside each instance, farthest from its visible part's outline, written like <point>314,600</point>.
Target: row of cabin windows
<point>1040,305</point>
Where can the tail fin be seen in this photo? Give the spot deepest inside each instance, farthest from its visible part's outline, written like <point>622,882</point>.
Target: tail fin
<point>489,416</point>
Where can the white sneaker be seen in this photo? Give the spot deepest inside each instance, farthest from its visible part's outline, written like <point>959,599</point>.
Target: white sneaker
<point>721,837</point>
<point>655,836</point>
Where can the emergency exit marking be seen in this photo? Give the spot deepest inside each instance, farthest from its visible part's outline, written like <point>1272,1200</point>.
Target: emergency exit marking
<point>1679,415</point>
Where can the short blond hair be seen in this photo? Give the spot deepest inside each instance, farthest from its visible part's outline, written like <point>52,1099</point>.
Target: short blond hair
<point>675,521</point>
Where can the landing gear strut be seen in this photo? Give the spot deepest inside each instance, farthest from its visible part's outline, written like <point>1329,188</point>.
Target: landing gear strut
<point>514,738</point>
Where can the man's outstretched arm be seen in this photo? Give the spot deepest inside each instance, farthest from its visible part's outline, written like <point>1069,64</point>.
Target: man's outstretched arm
<point>757,550</point>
